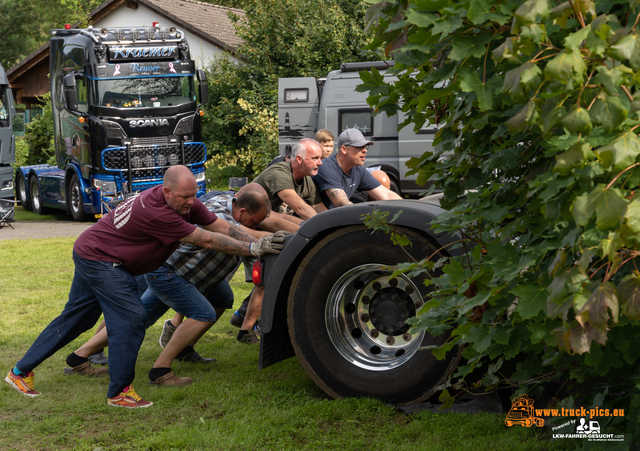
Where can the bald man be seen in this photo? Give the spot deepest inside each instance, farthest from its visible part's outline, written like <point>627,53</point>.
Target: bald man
<point>133,239</point>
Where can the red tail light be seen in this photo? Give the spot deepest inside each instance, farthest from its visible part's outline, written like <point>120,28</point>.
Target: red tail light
<point>256,273</point>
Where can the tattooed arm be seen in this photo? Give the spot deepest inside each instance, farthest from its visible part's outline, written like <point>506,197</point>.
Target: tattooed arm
<point>218,242</point>
<point>338,197</point>
<point>226,228</point>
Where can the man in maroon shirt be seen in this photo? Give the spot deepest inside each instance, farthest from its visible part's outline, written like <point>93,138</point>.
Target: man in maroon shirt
<point>133,239</point>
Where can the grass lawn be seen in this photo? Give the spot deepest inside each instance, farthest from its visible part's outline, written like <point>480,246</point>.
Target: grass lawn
<point>230,406</point>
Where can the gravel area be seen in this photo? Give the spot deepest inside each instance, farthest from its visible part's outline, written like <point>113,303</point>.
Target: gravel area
<point>23,230</point>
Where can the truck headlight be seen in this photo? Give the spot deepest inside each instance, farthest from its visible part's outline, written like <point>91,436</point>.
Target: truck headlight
<point>200,177</point>
<point>8,184</point>
<point>105,186</point>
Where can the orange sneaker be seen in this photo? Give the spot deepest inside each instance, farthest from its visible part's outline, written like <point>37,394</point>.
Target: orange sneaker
<point>23,384</point>
<point>128,398</point>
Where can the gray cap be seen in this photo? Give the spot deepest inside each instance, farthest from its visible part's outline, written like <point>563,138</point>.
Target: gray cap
<point>352,137</point>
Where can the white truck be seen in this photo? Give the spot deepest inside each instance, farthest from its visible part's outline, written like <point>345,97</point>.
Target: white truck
<point>307,104</point>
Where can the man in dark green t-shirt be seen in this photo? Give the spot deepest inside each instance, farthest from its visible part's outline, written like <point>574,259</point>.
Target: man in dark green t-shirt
<point>291,183</point>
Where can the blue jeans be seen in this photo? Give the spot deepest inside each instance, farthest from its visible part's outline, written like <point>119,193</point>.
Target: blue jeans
<point>97,287</point>
<point>169,290</point>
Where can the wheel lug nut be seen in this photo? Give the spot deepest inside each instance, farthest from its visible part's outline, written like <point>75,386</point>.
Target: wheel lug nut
<point>376,286</point>
<point>409,289</point>
<point>365,318</point>
<point>393,282</point>
<point>390,340</point>
<point>406,336</point>
<point>366,300</point>
<point>374,333</point>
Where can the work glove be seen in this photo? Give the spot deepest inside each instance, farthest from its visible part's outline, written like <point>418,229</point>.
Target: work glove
<point>269,244</point>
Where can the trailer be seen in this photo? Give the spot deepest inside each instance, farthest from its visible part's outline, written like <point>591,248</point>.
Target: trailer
<point>125,109</point>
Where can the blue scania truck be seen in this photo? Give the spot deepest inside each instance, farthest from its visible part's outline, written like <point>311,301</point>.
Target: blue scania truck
<point>7,140</point>
<point>125,105</point>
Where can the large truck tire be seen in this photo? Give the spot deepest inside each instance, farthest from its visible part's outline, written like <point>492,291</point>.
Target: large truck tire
<point>346,319</point>
<point>76,203</point>
<point>36,200</point>
<point>21,191</point>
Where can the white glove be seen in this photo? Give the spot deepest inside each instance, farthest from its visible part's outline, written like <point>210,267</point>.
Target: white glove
<point>269,244</point>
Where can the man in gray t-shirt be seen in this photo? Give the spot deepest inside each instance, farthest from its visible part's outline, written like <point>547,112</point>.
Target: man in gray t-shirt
<point>291,183</point>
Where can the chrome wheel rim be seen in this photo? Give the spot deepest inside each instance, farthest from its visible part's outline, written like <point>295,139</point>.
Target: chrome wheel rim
<point>366,315</point>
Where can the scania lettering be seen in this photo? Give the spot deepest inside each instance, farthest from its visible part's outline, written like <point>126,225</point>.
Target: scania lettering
<point>125,109</point>
<point>7,140</point>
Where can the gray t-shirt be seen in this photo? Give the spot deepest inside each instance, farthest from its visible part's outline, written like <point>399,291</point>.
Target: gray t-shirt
<point>330,175</point>
<point>280,176</point>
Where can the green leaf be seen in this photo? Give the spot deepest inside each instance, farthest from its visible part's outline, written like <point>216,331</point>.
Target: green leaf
<point>520,78</point>
<point>629,296</point>
<point>466,46</point>
<point>470,82</point>
<point>574,40</point>
<point>531,11</point>
<point>610,245</point>
<point>533,300</point>
<point>526,116</point>
<point>609,111</point>
<point>610,206</point>
<point>567,66</point>
<point>632,215</point>
<point>620,153</point>
<point>610,80</point>
<point>574,157</point>
<point>578,121</point>
<point>504,51</point>
<point>627,48</point>
<point>481,11</point>
<point>582,210</point>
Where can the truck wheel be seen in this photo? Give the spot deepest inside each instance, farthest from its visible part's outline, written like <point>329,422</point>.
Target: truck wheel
<point>21,191</point>
<point>346,319</point>
<point>74,196</point>
<point>36,200</point>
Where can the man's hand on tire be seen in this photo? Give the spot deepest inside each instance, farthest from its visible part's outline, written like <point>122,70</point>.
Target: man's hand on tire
<point>270,244</point>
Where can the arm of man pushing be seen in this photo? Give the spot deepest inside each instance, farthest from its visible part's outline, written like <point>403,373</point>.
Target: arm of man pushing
<point>230,239</point>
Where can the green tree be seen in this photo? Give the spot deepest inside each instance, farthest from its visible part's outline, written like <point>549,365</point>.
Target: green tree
<point>538,160</point>
<point>289,38</point>
<point>25,24</point>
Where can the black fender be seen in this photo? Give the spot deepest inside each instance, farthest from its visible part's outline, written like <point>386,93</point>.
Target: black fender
<point>278,271</point>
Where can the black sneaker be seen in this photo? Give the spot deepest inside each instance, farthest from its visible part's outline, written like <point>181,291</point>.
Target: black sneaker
<point>194,357</point>
<point>236,319</point>
<point>99,358</point>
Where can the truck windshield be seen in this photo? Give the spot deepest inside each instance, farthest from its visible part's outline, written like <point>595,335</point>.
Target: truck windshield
<point>4,114</point>
<point>146,92</point>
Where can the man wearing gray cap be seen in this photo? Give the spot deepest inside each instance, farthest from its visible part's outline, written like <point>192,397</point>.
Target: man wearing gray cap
<point>343,174</point>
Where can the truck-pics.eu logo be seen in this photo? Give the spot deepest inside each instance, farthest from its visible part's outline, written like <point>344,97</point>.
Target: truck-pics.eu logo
<point>523,413</point>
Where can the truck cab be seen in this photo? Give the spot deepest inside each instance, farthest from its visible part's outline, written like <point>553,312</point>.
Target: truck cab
<point>125,109</point>
<point>7,140</point>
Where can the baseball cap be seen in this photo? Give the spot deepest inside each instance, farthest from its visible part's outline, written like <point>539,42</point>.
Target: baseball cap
<point>352,137</point>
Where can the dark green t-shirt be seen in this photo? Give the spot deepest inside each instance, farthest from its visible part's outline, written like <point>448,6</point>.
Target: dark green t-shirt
<point>280,176</point>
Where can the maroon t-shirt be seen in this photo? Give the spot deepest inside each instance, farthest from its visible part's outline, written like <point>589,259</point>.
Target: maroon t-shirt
<point>141,232</point>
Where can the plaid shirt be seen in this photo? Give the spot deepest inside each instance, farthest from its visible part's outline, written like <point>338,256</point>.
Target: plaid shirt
<point>205,268</point>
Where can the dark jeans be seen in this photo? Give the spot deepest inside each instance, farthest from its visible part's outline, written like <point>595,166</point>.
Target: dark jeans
<point>98,287</point>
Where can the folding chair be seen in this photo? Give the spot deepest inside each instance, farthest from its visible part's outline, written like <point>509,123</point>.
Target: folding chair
<point>6,212</point>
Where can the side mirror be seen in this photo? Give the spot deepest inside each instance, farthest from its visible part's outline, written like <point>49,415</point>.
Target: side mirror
<point>71,92</point>
<point>203,88</point>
